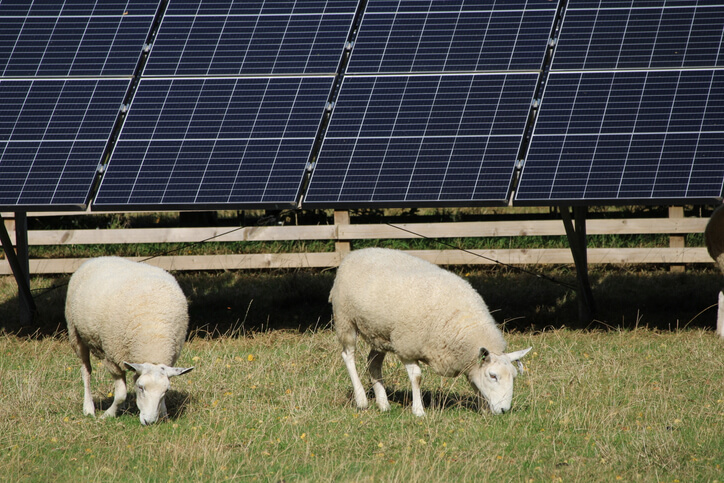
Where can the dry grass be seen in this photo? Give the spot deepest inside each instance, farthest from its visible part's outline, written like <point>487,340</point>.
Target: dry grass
<point>639,405</point>
<point>636,396</point>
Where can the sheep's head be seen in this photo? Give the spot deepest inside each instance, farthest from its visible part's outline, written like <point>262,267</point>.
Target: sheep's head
<point>152,382</point>
<point>493,376</point>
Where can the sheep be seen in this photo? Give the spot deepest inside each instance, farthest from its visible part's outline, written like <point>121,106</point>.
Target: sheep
<point>714,235</point>
<point>132,316</point>
<point>402,304</point>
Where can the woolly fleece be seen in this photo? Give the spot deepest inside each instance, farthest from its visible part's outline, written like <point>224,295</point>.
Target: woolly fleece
<point>402,304</point>
<point>126,311</point>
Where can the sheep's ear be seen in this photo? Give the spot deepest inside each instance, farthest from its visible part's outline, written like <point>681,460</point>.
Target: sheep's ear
<point>484,353</point>
<point>137,368</point>
<point>176,371</point>
<point>518,355</point>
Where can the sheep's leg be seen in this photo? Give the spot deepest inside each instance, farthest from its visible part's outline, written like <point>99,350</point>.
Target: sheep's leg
<point>374,361</point>
<point>359,391</point>
<point>415,374</point>
<point>85,370</point>
<point>119,395</point>
<point>720,316</point>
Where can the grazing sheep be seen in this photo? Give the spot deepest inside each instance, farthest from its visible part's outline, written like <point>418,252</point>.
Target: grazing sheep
<point>134,317</point>
<point>402,304</point>
<point>714,235</point>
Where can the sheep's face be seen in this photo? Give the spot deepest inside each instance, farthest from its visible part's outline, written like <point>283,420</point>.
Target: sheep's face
<point>152,382</point>
<point>494,376</point>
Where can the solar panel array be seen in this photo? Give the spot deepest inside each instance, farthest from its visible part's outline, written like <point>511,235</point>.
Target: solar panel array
<point>430,103</point>
<point>229,105</point>
<point>422,139</point>
<point>215,141</point>
<point>424,114</point>
<point>633,108</point>
<point>65,68</point>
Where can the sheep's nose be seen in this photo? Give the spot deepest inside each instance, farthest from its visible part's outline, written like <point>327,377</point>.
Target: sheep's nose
<point>503,411</point>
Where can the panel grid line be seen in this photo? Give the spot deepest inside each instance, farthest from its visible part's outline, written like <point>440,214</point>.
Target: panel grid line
<point>186,41</point>
<point>246,146</point>
<point>567,131</point>
<point>356,142</point>
<point>184,140</point>
<point>65,164</point>
<point>598,139</point>
<point>630,142</point>
<point>419,147</point>
<point>286,126</point>
<point>45,51</point>
<point>698,134</point>
<point>457,136</point>
<point>487,141</point>
<point>148,147</point>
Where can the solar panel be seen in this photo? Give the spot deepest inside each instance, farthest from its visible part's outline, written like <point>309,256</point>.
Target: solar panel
<point>65,69</point>
<point>215,141</point>
<point>454,36</point>
<point>640,38</point>
<point>52,136</point>
<point>396,140</point>
<point>73,38</point>
<point>247,38</point>
<point>632,109</point>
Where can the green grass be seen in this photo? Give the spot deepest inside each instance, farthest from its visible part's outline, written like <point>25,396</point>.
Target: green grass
<point>635,405</point>
<point>636,395</point>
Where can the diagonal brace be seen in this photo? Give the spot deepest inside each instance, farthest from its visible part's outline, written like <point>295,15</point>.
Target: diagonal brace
<point>22,276</point>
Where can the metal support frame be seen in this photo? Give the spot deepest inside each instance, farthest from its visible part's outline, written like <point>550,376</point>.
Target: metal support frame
<point>576,232</point>
<point>19,263</point>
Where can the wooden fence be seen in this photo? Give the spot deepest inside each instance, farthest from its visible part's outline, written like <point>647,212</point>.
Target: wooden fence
<point>342,232</point>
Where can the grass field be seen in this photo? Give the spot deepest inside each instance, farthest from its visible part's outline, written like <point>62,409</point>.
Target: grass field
<point>637,395</point>
<point>632,405</point>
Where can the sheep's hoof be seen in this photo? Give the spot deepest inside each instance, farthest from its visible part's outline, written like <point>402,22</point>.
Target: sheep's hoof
<point>108,414</point>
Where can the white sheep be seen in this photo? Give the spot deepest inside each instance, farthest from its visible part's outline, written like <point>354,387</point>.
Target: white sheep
<point>714,235</point>
<point>402,304</point>
<point>132,316</point>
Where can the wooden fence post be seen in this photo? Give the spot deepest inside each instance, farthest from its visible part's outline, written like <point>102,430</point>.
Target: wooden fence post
<point>342,247</point>
<point>676,241</point>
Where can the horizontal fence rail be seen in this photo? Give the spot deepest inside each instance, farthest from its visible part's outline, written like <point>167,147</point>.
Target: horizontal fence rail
<point>344,233</point>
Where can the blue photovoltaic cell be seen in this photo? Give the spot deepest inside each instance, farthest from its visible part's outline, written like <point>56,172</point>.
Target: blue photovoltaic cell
<point>76,38</point>
<point>611,136</point>
<point>451,36</point>
<point>407,6</point>
<point>259,7</point>
<point>215,142</point>
<point>55,8</point>
<point>601,4</point>
<point>422,139</point>
<point>52,136</point>
<point>254,38</point>
<point>640,38</point>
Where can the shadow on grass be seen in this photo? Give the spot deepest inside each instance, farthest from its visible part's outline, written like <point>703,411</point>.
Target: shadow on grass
<point>177,402</point>
<point>238,303</point>
<point>431,400</point>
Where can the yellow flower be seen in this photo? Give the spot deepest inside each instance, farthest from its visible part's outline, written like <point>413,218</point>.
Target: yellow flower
<point>250,357</point>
